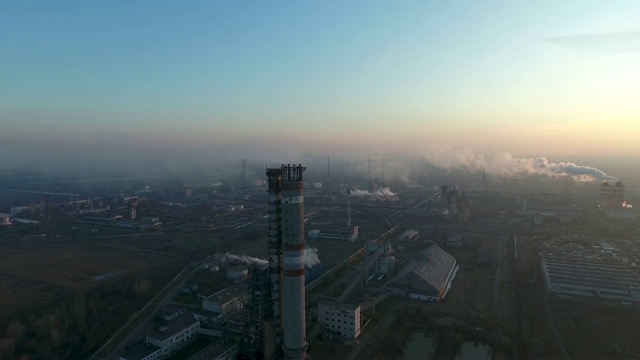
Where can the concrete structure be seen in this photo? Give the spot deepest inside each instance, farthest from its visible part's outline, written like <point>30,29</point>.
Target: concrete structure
<point>171,312</point>
<point>349,234</point>
<point>245,172</point>
<point>237,271</point>
<point>143,351</point>
<point>611,197</point>
<point>173,336</point>
<point>226,300</point>
<point>592,278</point>
<point>386,262</point>
<point>132,209</point>
<point>449,198</point>
<point>294,344</point>
<point>454,240</point>
<point>343,319</point>
<point>409,235</point>
<point>274,177</point>
<point>5,220</point>
<point>218,349</point>
<point>427,277</point>
<point>189,287</point>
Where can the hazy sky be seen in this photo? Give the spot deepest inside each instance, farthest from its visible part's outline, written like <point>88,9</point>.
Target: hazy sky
<point>547,78</point>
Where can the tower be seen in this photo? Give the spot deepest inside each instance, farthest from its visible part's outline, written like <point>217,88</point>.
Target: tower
<point>294,344</point>
<point>274,176</point>
<point>132,207</point>
<point>286,258</point>
<point>245,172</point>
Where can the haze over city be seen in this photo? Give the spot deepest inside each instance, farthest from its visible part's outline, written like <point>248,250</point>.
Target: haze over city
<point>292,180</point>
<point>197,82</point>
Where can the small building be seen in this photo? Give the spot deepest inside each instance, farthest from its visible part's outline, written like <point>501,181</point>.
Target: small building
<point>409,235</point>
<point>454,240</point>
<point>143,351</point>
<point>226,300</point>
<point>171,312</point>
<point>174,335</point>
<point>340,318</point>
<point>189,287</point>
<point>218,349</point>
<point>5,220</point>
<point>386,262</point>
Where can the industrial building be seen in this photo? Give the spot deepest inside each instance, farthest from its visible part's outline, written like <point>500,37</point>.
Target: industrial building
<point>5,220</point>
<point>427,277</point>
<point>349,234</point>
<point>343,319</point>
<point>166,340</point>
<point>385,262</point>
<point>226,300</point>
<point>611,197</point>
<point>590,277</point>
<point>409,235</point>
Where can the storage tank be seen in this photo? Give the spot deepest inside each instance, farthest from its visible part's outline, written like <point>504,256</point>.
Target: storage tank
<point>235,272</point>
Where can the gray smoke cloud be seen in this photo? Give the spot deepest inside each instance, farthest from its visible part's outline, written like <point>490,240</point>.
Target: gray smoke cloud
<point>506,163</point>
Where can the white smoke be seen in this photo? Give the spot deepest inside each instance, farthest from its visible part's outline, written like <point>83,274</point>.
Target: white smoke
<point>382,192</point>
<point>311,258</point>
<point>248,260</point>
<point>627,205</point>
<point>506,164</point>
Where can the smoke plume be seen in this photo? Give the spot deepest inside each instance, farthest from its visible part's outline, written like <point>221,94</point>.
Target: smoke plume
<point>382,192</point>
<point>248,260</point>
<point>506,164</point>
<point>311,258</point>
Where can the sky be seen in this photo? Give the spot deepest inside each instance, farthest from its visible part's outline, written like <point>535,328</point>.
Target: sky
<point>101,80</point>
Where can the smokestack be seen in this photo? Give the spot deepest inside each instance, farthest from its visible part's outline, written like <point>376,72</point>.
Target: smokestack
<point>484,173</point>
<point>349,208</point>
<point>274,176</point>
<point>245,172</point>
<point>328,169</point>
<point>132,209</point>
<point>294,344</point>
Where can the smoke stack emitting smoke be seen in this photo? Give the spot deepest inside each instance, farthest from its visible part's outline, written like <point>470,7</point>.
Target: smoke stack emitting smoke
<point>506,164</point>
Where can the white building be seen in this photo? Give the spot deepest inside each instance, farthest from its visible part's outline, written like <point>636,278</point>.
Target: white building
<point>427,277</point>
<point>5,220</point>
<point>591,278</point>
<point>173,336</point>
<point>226,300</point>
<point>343,319</point>
<point>386,262</point>
<point>409,235</point>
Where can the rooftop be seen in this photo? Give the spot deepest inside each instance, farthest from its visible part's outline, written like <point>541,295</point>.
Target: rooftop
<point>140,352</point>
<point>173,327</point>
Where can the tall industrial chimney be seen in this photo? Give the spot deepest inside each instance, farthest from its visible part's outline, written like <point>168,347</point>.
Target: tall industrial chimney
<point>294,344</point>
<point>245,172</point>
<point>274,176</point>
<point>349,208</point>
<point>132,209</point>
